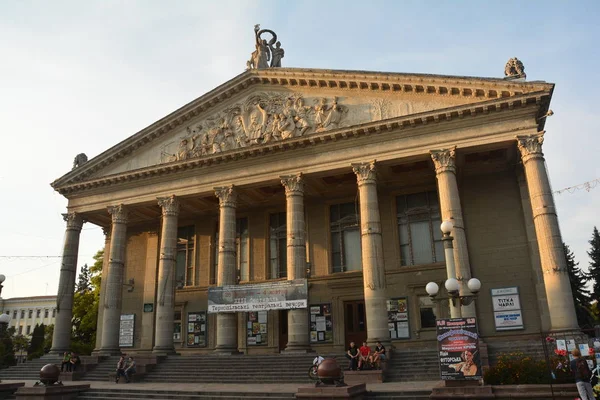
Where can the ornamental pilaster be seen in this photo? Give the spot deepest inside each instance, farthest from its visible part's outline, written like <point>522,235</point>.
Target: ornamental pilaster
<point>119,214</point>
<point>227,196</point>
<point>169,206</point>
<point>531,146</point>
<point>444,160</point>
<point>365,173</point>
<point>293,184</point>
<point>73,220</point>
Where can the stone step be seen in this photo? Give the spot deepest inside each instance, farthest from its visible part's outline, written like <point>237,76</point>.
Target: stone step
<point>100,394</point>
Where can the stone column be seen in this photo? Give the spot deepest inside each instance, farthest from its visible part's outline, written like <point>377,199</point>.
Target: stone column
<point>373,267</point>
<point>165,302</point>
<point>552,256</point>
<point>296,258</point>
<point>445,169</point>
<point>61,339</point>
<point>226,267</point>
<point>113,298</point>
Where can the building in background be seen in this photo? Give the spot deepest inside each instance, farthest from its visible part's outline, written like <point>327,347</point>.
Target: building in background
<point>27,312</point>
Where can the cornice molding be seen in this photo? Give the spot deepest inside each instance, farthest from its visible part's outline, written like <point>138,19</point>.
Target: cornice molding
<point>294,78</point>
<point>440,116</point>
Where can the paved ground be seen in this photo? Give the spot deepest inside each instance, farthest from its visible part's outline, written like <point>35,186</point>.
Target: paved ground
<point>236,387</point>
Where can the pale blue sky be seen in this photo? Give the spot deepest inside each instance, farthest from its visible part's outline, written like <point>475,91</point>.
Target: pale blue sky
<point>80,76</point>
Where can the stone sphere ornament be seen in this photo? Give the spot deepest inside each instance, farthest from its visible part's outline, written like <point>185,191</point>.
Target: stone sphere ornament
<point>49,374</point>
<point>329,371</point>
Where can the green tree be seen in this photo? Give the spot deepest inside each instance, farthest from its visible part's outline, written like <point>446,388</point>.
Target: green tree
<point>581,295</point>
<point>7,352</point>
<point>83,283</point>
<point>594,269</point>
<point>48,338</point>
<point>20,344</point>
<point>85,307</point>
<point>36,345</point>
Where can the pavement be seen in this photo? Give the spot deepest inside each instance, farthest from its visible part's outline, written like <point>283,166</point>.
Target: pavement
<point>238,387</point>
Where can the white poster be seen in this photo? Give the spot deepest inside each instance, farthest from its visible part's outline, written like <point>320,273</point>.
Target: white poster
<point>507,320</point>
<point>506,303</point>
<point>126,329</point>
<point>571,344</point>
<point>561,344</point>
<point>507,309</point>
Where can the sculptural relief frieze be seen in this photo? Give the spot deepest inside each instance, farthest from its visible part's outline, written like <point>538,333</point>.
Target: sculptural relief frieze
<point>261,118</point>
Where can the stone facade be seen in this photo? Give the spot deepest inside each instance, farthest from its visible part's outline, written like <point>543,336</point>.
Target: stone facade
<point>336,176</point>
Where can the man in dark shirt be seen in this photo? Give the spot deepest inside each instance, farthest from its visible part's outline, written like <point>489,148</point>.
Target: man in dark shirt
<point>581,373</point>
<point>378,355</point>
<point>352,355</point>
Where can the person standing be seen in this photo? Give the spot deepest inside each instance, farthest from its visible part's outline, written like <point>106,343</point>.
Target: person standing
<point>581,372</point>
<point>352,355</point>
<point>120,369</point>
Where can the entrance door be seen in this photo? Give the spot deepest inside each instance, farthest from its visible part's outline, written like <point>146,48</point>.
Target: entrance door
<point>355,322</point>
<point>283,329</point>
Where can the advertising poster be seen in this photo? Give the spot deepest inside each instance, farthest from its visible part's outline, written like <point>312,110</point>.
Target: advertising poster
<point>126,329</point>
<point>321,325</point>
<point>196,329</point>
<point>507,309</point>
<point>257,327</point>
<point>458,348</point>
<point>398,318</point>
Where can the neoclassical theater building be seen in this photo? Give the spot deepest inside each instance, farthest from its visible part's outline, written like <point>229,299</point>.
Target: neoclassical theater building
<point>338,177</point>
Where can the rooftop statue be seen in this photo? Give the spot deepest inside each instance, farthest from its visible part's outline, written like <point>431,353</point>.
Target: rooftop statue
<point>514,69</point>
<point>265,55</point>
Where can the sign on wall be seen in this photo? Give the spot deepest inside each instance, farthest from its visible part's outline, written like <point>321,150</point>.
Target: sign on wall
<point>282,295</point>
<point>126,330</point>
<point>321,324</point>
<point>257,328</point>
<point>398,318</point>
<point>458,348</point>
<point>196,329</point>
<point>507,309</point>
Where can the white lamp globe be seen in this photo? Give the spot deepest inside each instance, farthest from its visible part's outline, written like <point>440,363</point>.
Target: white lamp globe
<point>2,278</point>
<point>474,285</point>
<point>452,285</point>
<point>4,319</point>
<point>447,226</point>
<point>432,289</point>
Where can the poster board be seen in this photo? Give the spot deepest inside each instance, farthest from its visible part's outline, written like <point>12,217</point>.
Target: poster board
<point>126,330</point>
<point>458,349</point>
<point>257,328</point>
<point>398,322</point>
<point>321,323</point>
<point>507,309</point>
<point>196,329</point>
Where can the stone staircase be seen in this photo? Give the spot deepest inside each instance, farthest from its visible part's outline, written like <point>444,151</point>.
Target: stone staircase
<point>274,368</point>
<point>404,395</point>
<point>102,370</point>
<point>129,394</point>
<point>29,370</point>
<point>413,365</point>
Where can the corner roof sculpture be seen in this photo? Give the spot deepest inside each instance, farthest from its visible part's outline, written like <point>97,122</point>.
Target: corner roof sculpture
<point>265,51</point>
<point>514,69</point>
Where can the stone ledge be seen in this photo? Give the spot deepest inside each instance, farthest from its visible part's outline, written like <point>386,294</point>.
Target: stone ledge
<point>7,389</point>
<point>54,392</point>
<point>368,376</point>
<point>442,391</point>
<point>323,392</point>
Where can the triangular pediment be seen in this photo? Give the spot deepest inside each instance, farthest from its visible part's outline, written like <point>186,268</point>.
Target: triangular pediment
<point>265,107</point>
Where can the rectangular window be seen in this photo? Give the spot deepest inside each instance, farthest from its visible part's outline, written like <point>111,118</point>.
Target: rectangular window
<point>45,313</point>
<point>419,219</point>
<point>15,314</point>
<point>278,245</point>
<point>53,312</point>
<point>346,252</point>
<point>241,242</point>
<point>30,314</point>
<point>20,329</point>
<point>38,313</point>
<point>427,312</point>
<point>22,313</point>
<point>28,329</point>
<point>184,271</point>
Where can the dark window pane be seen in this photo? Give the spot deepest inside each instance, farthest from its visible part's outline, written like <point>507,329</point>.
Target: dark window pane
<point>349,317</point>
<point>361,317</point>
<point>416,200</point>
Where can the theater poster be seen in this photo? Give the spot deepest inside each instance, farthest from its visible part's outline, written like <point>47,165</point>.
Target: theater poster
<point>458,348</point>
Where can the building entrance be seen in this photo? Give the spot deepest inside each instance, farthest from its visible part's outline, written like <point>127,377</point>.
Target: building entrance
<point>355,322</point>
<point>283,329</point>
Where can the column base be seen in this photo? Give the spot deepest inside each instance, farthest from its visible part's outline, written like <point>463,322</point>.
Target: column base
<point>163,351</point>
<point>113,351</point>
<point>226,351</point>
<point>297,348</point>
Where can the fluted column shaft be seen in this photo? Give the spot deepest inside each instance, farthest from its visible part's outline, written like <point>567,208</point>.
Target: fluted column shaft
<point>373,267</point>
<point>296,257</point>
<point>445,169</point>
<point>113,299</point>
<point>545,220</point>
<point>61,339</point>
<point>226,267</point>
<point>165,302</point>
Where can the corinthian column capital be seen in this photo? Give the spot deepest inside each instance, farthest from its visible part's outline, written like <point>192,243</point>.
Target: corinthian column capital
<point>293,184</point>
<point>365,172</point>
<point>444,160</point>
<point>169,205</point>
<point>119,214</point>
<point>227,196</point>
<point>530,146</point>
<point>74,221</point>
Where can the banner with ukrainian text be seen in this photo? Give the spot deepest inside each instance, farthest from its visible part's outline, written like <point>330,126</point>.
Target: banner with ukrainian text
<point>281,295</point>
<point>458,348</point>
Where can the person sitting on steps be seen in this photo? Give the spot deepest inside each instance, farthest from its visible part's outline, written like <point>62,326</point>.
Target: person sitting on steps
<point>120,369</point>
<point>66,361</point>
<point>365,356</point>
<point>130,369</point>
<point>378,355</point>
<point>352,355</point>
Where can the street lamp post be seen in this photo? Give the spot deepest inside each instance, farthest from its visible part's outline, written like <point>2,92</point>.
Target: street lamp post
<point>2,279</point>
<point>452,285</point>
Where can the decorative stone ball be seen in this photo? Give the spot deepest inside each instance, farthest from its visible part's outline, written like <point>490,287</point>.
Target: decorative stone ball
<point>49,374</point>
<point>329,371</point>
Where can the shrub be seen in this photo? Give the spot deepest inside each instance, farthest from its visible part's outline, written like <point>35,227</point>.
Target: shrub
<point>517,368</point>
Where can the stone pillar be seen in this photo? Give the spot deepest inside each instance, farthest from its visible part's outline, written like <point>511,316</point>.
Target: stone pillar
<point>111,318</point>
<point>61,339</point>
<point>165,302</point>
<point>372,255</point>
<point>104,272</point>
<point>226,267</point>
<point>445,169</point>
<point>552,256</point>
<point>296,258</point>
